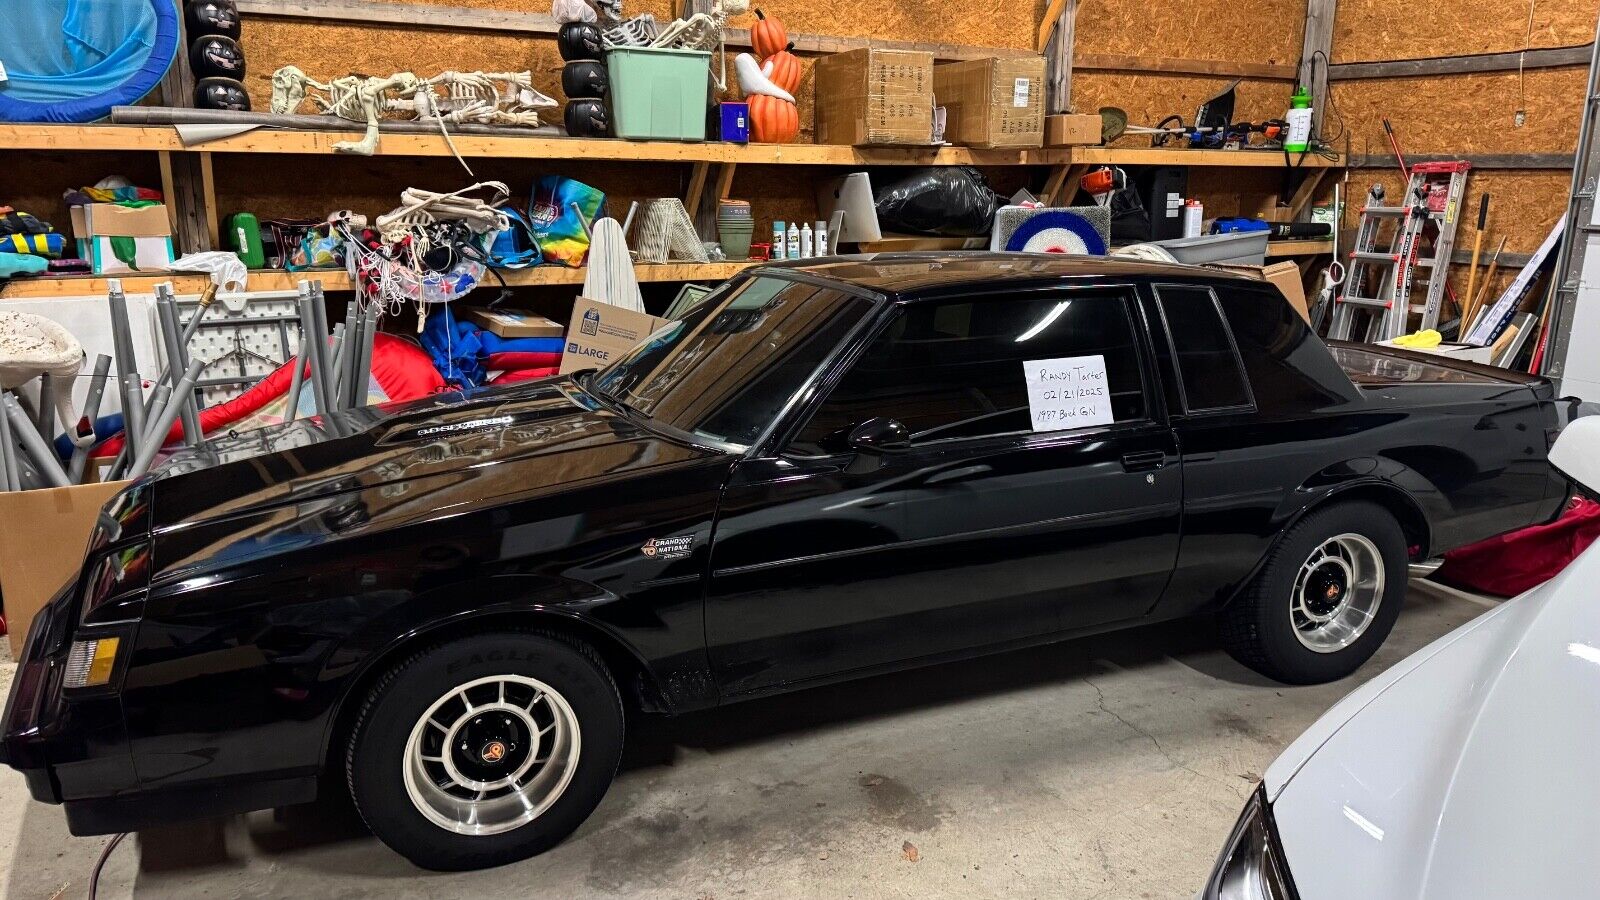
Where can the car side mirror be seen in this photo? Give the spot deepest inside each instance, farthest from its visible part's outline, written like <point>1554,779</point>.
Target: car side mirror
<point>1576,453</point>
<point>879,435</point>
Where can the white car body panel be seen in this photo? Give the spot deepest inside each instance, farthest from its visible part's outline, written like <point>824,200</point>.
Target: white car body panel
<point>1471,769</point>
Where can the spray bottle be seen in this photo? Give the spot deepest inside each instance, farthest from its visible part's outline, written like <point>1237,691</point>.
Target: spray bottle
<point>1298,140</point>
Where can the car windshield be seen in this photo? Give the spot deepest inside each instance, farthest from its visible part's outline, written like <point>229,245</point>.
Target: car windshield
<point>727,369</point>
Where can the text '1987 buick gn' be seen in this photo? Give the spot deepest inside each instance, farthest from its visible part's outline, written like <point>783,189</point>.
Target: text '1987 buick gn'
<point>825,471</point>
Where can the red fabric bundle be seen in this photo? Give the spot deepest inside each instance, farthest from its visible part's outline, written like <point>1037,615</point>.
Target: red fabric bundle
<point>507,362</point>
<point>1512,563</point>
<point>514,375</point>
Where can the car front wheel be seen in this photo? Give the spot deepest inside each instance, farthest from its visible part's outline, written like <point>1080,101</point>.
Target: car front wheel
<point>1326,599</point>
<point>485,750</point>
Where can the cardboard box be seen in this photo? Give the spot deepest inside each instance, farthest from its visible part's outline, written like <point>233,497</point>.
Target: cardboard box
<point>150,254</point>
<point>1285,275</point>
<point>872,96</point>
<point>39,557</point>
<point>994,102</point>
<point>1072,130</point>
<point>120,221</point>
<point>600,332</point>
<point>512,323</point>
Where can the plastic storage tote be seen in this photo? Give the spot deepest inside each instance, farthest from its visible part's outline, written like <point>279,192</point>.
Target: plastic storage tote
<point>1246,248</point>
<point>659,94</point>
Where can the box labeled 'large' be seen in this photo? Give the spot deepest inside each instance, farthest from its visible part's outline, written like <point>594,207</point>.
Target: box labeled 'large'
<point>600,332</point>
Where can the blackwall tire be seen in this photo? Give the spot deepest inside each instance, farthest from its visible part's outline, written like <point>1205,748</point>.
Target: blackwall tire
<point>485,750</point>
<point>1326,599</point>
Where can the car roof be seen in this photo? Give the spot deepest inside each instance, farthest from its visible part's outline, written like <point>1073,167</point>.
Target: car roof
<point>907,275</point>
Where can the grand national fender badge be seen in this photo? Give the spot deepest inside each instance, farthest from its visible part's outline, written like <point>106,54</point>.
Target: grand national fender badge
<point>677,547</point>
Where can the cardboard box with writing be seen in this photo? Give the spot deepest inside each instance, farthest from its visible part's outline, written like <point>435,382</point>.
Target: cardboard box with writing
<point>872,96</point>
<point>992,103</point>
<point>43,536</point>
<point>600,332</point>
<point>512,323</point>
<point>1071,130</point>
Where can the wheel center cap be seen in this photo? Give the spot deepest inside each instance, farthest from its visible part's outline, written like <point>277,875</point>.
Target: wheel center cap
<point>493,752</point>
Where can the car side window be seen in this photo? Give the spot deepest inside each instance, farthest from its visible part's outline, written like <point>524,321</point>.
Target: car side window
<point>954,369</point>
<point>1207,360</point>
<point>1288,365</point>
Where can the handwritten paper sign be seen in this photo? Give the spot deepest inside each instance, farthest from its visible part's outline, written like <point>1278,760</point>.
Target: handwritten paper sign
<point>1070,392</point>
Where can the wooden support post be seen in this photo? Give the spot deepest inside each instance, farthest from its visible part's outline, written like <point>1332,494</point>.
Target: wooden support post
<point>725,180</point>
<point>1304,193</point>
<point>186,197</point>
<point>1315,54</point>
<point>697,187</point>
<point>208,200</point>
<point>1062,185</point>
<point>1056,42</point>
<point>177,86</point>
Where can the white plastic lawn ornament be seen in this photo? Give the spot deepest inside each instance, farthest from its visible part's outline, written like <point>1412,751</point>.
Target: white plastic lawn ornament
<point>755,78</point>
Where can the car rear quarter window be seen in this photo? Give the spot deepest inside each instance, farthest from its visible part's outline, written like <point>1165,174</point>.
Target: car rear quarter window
<point>1289,367</point>
<point>954,369</point>
<point>1208,362</point>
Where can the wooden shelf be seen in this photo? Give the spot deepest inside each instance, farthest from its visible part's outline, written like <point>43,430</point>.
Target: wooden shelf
<point>1241,159</point>
<point>337,280</point>
<point>121,138</point>
<point>1298,248</point>
<point>270,140</point>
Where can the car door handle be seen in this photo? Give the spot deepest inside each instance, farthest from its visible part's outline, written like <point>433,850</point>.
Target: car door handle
<point>1143,462</point>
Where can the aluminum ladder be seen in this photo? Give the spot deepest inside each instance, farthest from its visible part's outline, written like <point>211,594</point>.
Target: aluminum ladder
<point>1432,196</point>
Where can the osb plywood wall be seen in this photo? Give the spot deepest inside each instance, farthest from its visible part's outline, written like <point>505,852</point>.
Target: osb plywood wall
<point>1470,114</point>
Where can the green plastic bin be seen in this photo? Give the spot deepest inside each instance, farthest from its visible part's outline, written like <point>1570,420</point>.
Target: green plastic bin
<point>659,94</point>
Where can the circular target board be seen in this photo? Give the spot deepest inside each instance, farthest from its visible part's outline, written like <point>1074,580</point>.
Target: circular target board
<point>1057,231</point>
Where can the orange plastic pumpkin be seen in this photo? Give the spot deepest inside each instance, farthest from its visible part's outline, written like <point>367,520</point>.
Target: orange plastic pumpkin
<point>786,70</point>
<point>769,35</point>
<point>773,120</point>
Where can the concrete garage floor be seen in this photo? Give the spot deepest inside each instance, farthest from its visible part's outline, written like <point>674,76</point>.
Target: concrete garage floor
<point>1106,767</point>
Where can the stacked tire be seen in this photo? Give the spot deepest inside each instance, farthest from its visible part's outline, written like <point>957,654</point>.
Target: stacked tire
<point>584,79</point>
<point>215,57</point>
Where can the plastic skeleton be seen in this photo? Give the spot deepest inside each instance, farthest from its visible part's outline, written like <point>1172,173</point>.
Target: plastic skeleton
<point>482,98</point>
<point>704,31</point>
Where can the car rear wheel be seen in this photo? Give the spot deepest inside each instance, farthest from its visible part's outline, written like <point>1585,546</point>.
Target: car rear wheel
<point>1326,599</point>
<point>485,750</point>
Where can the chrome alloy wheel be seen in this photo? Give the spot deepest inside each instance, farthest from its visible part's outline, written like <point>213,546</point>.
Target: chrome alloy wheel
<point>491,755</point>
<point>1336,593</point>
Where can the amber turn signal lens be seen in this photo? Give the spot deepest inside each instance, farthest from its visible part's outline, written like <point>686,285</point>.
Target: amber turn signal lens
<point>90,663</point>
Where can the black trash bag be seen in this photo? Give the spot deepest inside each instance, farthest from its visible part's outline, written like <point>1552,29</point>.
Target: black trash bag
<point>952,200</point>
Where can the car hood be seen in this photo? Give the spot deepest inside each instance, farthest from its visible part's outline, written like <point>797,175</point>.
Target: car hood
<point>1466,770</point>
<point>556,433</point>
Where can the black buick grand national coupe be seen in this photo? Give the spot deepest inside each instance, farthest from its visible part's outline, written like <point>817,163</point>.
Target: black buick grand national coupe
<point>825,471</point>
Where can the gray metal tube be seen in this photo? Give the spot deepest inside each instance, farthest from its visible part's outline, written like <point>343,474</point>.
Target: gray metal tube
<point>46,413</point>
<point>91,412</point>
<point>296,381</point>
<point>177,360</point>
<point>193,325</point>
<point>160,399</point>
<point>147,453</point>
<point>336,352</point>
<point>10,479</point>
<point>319,309</point>
<point>132,394</point>
<point>314,347</point>
<point>43,457</point>
<point>353,325</point>
<point>364,368</point>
